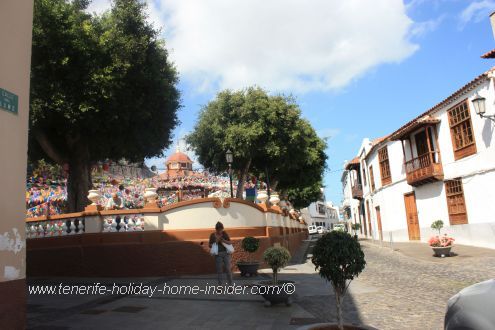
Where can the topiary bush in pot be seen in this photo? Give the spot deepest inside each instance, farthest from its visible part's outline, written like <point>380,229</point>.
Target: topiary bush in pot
<point>249,267</point>
<point>276,257</point>
<point>355,227</point>
<point>276,291</point>
<point>338,258</point>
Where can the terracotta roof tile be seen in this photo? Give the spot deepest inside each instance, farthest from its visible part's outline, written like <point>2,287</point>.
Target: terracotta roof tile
<point>490,54</point>
<point>352,162</point>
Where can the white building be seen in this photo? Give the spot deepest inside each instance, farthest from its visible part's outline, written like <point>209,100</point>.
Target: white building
<point>440,165</point>
<point>321,213</point>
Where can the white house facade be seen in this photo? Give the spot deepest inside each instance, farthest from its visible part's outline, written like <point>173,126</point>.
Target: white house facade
<point>321,213</point>
<point>440,165</point>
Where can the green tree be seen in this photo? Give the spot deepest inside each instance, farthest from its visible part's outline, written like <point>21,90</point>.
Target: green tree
<point>339,259</point>
<point>301,197</point>
<point>437,225</point>
<point>101,87</point>
<point>293,155</point>
<point>232,121</point>
<point>266,134</point>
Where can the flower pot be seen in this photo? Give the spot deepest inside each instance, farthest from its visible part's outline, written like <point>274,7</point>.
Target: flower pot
<point>332,326</point>
<point>150,194</point>
<point>248,268</point>
<point>442,251</point>
<point>94,196</point>
<point>274,199</point>
<point>262,196</point>
<point>276,293</point>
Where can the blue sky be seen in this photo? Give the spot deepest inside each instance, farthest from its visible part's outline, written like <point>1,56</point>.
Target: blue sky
<point>387,65</point>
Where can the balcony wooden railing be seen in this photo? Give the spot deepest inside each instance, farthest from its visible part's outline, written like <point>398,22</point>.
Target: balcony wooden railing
<point>424,169</point>
<point>357,190</point>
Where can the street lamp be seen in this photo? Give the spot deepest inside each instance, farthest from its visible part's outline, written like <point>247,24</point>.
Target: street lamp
<point>479,103</point>
<point>229,157</point>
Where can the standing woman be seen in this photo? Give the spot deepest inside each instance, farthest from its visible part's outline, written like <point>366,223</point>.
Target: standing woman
<point>223,258</point>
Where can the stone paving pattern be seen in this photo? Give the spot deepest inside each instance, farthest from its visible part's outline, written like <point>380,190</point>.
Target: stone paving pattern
<point>405,289</point>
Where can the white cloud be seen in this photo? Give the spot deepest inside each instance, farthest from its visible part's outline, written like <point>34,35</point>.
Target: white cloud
<point>98,6</point>
<point>328,133</point>
<point>476,11</point>
<point>421,28</point>
<point>281,45</point>
<point>287,45</point>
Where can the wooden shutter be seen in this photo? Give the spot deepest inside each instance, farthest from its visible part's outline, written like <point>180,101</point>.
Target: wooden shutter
<point>372,179</point>
<point>385,175</point>
<point>455,202</point>
<point>461,130</point>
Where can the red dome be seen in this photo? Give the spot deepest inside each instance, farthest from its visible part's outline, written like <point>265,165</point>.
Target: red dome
<point>179,157</point>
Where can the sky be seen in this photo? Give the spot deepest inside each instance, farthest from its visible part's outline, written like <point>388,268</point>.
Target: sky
<point>358,69</point>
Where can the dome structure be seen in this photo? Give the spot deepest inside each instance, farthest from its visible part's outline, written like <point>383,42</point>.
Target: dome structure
<point>178,164</point>
<point>178,157</point>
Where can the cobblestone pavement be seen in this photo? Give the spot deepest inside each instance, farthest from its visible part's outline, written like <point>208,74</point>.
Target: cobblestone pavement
<point>395,291</point>
<point>407,293</point>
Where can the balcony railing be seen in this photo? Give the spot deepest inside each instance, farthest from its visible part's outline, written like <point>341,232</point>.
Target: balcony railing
<point>357,190</point>
<point>424,169</point>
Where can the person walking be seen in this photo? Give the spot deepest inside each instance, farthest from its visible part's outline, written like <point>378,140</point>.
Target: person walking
<point>223,257</point>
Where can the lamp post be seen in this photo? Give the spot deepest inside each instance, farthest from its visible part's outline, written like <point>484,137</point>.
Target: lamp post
<point>229,157</point>
<point>479,103</point>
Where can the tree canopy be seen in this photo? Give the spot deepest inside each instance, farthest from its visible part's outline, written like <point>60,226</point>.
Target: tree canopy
<point>102,87</point>
<point>338,258</point>
<point>266,135</point>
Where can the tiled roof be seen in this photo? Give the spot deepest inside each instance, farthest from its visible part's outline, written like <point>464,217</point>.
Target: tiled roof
<point>418,123</point>
<point>178,157</point>
<point>490,54</point>
<point>462,90</point>
<point>351,163</point>
<point>377,142</point>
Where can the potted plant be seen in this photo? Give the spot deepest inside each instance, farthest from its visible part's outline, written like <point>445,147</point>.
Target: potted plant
<point>338,258</point>
<point>441,245</point>
<point>249,267</point>
<point>276,291</point>
<point>355,227</point>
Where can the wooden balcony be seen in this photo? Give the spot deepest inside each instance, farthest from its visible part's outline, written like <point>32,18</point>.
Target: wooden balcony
<point>424,169</point>
<point>357,191</point>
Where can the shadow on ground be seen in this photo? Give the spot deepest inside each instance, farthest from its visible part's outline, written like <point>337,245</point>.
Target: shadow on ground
<point>313,302</point>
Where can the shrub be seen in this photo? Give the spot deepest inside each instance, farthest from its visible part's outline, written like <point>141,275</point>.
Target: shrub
<point>355,227</point>
<point>437,225</point>
<point>276,257</point>
<point>338,258</point>
<point>250,245</point>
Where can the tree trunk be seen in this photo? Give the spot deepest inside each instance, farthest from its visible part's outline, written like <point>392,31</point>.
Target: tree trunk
<point>79,180</point>
<point>338,301</point>
<point>242,179</point>
<point>273,185</point>
<point>275,279</point>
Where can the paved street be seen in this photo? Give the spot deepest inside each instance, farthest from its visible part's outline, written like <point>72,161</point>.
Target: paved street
<point>398,290</point>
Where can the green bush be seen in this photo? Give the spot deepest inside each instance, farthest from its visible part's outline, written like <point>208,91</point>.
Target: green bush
<point>355,227</point>
<point>276,257</point>
<point>437,225</point>
<point>339,258</point>
<point>250,245</point>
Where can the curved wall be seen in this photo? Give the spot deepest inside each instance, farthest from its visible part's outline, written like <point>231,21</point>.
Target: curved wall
<point>174,240</point>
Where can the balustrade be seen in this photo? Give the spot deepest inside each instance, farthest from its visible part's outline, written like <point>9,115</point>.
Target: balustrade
<point>53,228</point>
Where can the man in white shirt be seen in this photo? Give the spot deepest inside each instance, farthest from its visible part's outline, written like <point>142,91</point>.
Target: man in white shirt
<point>115,203</point>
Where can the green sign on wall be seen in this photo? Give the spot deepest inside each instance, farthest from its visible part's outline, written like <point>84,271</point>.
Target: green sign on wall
<point>9,101</point>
